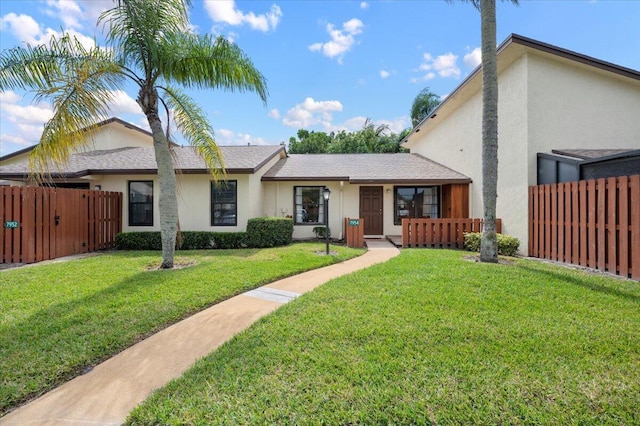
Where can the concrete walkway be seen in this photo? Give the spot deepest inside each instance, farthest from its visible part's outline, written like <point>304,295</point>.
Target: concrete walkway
<point>106,394</point>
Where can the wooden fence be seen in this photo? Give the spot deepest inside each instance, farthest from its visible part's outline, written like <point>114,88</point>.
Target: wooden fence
<point>354,232</point>
<point>45,223</point>
<point>440,233</point>
<point>591,223</point>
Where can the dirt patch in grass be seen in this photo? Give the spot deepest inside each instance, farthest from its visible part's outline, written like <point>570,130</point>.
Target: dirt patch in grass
<point>176,265</point>
<point>501,260</point>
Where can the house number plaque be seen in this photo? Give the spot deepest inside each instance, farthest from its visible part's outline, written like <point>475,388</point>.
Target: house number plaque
<point>11,224</point>
<point>354,222</point>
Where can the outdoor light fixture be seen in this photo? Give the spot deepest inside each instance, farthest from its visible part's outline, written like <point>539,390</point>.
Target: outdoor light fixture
<point>326,193</point>
<point>97,187</point>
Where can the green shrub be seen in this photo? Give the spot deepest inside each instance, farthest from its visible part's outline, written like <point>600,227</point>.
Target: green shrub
<point>507,245</point>
<point>138,241</point>
<point>204,240</point>
<point>269,231</point>
<point>319,231</point>
<point>188,240</point>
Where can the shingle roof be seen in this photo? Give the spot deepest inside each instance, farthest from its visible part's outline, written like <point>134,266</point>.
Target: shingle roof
<point>237,159</point>
<point>363,168</point>
<point>591,154</point>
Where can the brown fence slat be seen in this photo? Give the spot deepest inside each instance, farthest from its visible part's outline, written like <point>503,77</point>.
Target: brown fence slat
<point>602,224</point>
<point>38,237</point>
<point>591,223</point>
<point>634,248</point>
<point>623,226</point>
<point>612,223</point>
<point>440,233</point>
<point>597,224</point>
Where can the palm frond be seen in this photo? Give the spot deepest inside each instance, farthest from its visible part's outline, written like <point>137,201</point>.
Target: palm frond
<point>135,28</point>
<point>76,80</point>
<point>192,123</point>
<point>203,61</point>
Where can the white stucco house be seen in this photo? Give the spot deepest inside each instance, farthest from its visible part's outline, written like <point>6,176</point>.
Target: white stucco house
<point>549,99</point>
<point>260,181</point>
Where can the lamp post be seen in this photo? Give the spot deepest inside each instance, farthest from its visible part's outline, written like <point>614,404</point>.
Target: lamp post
<point>326,193</point>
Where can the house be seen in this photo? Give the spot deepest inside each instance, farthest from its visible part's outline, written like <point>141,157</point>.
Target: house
<point>551,101</point>
<point>260,181</point>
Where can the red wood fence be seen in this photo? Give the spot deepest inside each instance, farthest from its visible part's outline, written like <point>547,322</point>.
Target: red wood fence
<point>440,233</point>
<point>45,223</point>
<point>591,223</point>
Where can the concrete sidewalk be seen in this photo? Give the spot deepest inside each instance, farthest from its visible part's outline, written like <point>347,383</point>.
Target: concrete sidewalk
<point>106,394</point>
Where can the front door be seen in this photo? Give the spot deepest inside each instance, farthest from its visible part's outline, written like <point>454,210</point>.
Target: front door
<point>371,209</point>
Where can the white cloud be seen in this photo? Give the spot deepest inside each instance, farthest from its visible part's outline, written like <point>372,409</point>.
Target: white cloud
<point>67,11</point>
<point>384,74</point>
<point>27,30</point>
<point>274,113</point>
<point>75,14</point>
<point>226,12</point>
<point>229,137</point>
<point>311,112</point>
<point>26,121</point>
<point>341,40</point>
<point>474,58</point>
<point>13,112</point>
<point>364,5</point>
<point>23,27</point>
<point>123,104</point>
<point>396,125</point>
<point>444,65</point>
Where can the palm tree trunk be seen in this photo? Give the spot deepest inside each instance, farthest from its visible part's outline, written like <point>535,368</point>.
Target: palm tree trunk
<point>167,200</point>
<point>489,245</point>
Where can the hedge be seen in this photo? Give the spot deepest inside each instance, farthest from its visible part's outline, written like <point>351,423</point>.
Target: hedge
<point>261,232</point>
<point>269,231</point>
<point>507,245</point>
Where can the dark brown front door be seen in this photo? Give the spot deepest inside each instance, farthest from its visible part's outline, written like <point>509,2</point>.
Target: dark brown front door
<point>371,209</point>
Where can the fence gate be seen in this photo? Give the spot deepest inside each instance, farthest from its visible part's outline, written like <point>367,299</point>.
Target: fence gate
<point>45,223</point>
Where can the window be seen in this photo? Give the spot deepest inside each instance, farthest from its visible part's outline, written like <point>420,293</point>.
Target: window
<point>309,205</point>
<point>416,202</point>
<point>224,203</point>
<point>140,203</point>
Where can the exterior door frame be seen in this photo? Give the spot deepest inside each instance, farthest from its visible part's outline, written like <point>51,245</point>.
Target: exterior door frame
<point>371,198</point>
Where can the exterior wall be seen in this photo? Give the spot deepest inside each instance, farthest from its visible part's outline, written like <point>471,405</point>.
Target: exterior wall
<point>456,142</point>
<point>115,135</point>
<point>545,103</point>
<point>194,201</point>
<point>344,202</point>
<point>580,108</point>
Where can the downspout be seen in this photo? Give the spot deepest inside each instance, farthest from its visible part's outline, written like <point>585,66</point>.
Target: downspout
<point>341,217</point>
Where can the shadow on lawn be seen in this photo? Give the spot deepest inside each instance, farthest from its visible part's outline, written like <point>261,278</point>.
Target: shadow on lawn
<point>64,339</point>
<point>574,280</point>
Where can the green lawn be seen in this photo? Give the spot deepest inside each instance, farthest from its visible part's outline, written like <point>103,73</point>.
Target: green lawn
<point>427,338</point>
<point>57,319</point>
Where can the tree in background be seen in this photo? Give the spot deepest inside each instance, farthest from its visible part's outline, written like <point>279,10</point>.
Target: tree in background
<point>423,104</point>
<point>309,142</point>
<point>149,42</point>
<point>370,139</point>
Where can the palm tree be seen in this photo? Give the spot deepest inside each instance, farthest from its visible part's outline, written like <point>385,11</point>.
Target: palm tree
<point>424,102</point>
<point>148,43</point>
<point>489,244</point>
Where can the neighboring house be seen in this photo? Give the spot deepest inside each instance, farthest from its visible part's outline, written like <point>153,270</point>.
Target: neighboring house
<point>549,99</point>
<point>260,181</point>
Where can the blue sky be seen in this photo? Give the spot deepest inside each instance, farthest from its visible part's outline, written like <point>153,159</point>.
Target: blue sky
<point>330,65</point>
